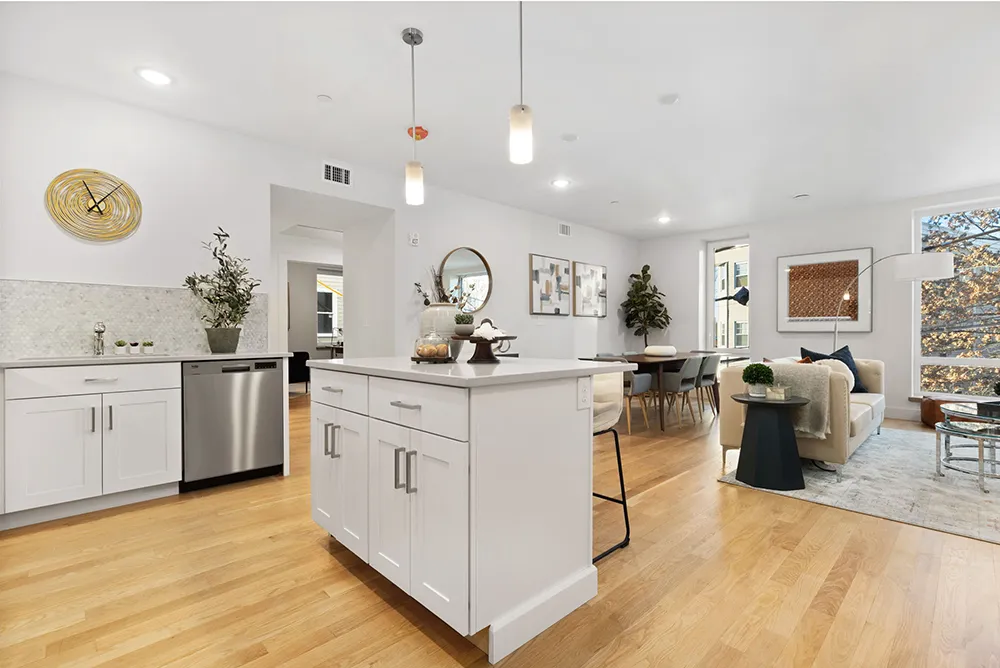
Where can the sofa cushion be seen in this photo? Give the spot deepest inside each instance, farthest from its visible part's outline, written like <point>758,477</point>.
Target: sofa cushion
<point>861,416</point>
<point>836,366</point>
<point>845,356</point>
<point>874,401</point>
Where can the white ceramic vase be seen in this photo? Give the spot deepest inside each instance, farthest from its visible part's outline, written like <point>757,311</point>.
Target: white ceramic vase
<point>757,390</point>
<point>439,318</point>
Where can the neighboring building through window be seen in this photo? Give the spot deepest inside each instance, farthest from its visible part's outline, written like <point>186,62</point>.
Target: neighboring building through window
<point>329,309</point>
<point>960,317</point>
<point>730,325</point>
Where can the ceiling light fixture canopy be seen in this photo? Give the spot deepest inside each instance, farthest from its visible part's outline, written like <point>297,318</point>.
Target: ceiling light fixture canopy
<point>414,172</point>
<point>663,220</point>
<point>560,183</point>
<point>521,140</point>
<point>153,77</point>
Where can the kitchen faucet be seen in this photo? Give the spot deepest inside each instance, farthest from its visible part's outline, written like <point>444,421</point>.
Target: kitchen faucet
<point>99,330</point>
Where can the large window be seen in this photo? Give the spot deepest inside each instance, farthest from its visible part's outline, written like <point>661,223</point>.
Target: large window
<point>729,324</point>
<point>960,317</point>
<point>329,309</point>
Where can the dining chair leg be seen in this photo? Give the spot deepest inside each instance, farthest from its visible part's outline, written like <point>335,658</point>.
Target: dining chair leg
<point>678,400</point>
<point>628,414</point>
<point>687,397</point>
<point>701,403</point>
<point>642,405</point>
<point>711,401</point>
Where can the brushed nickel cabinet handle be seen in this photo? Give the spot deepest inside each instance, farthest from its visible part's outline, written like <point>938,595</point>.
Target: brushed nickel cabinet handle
<point>335,428</point>
<point>409,407</point>
<point>327,388</point>
<point>100,380</point>
<point>410,489</point>
<point>93,419</point>
<point>395,468</point>
<point>326,440</point>
<point>111,418</point>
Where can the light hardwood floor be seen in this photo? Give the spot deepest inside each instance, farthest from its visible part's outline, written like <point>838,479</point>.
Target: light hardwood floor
<point>716,576</point>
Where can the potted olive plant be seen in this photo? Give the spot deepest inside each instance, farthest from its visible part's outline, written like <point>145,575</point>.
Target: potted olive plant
<point>758,377</point>
<point>227,292</point>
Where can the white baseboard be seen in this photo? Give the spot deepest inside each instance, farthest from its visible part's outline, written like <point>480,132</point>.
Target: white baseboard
<point>63,510</point>
<point>540,612</point>
<point>899,413</point>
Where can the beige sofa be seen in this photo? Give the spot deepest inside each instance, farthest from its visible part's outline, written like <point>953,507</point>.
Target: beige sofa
<point>853,417</point>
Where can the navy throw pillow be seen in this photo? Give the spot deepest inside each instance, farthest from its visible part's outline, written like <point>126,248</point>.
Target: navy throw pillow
<point>845,356</point>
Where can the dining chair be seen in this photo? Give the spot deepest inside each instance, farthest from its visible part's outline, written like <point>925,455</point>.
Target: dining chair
<point>679,385</point>
<point>608,395</point>
<point>707,377</point>
<point>635,385</point>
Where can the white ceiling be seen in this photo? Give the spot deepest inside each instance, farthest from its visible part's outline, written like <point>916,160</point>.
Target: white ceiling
<point>851,102</point>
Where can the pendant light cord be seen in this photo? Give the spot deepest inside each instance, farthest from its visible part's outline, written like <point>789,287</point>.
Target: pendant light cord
<point>520,44</point>
<point>413,101</point>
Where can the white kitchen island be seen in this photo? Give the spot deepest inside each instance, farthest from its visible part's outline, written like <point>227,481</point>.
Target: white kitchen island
<point>466,485</point>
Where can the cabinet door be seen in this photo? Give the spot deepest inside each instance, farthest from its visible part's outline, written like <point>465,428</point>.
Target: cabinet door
<point>52,451</point>
<point>439,576</point>
<point>321,482</point>
<point>388,502</point>
<point>349,454</point>
<point>142,439</point>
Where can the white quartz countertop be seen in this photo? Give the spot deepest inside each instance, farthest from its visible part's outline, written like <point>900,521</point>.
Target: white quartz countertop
<point>462,374</point>
<point>88,360</point>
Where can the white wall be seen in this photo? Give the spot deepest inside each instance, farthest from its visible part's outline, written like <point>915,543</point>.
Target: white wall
<point>192,178</point>
<point>678,264</point>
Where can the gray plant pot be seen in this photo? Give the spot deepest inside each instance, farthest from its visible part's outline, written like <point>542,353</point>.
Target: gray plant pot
<point>465,330</point>
<point>223,339</point>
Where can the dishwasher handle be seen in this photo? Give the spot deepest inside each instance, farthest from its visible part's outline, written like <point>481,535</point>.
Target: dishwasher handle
<point>236,368</point>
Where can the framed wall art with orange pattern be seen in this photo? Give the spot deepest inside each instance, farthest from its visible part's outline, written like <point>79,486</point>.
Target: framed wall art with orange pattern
<point>817,289</point>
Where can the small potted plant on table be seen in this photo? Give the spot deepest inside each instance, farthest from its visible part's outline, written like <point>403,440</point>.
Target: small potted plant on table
<point>148,348</point>
<point>463,324</point>
<point>121,347</point>
<point>133,348</point>
<point>757,377</point>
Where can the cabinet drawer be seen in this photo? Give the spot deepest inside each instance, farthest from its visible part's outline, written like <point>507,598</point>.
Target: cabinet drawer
<point>103,378</point>
<point>431,408</point>
<point>340,390</point>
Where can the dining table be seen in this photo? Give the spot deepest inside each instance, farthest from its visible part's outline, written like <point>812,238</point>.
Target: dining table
<point>659,364</point>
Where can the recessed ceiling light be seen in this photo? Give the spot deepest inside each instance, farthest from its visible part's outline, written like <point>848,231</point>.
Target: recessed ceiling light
<point>800,196</point>
<point>669,99</point>
<point>153,77</point>
<point>663,220</point>
<point>562,184</point>
<point>324,99</point>
<point>568,137</point>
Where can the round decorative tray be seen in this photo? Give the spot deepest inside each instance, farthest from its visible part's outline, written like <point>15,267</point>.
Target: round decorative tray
<point>433,360</point>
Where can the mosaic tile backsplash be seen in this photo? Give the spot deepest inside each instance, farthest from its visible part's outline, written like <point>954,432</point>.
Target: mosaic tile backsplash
<point>46,319</point>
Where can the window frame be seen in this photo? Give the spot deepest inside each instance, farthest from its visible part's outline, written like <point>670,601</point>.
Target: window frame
<point>708,293</point>
<point>327,339</point>
<point>745,274</point>
<point>917,360</point>
<point>736,334</point>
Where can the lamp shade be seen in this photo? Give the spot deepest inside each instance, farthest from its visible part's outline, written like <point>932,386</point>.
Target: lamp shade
<point>742,296</point>
<point>521,142</point>
<point>924,266</point>
<point>414,183</point>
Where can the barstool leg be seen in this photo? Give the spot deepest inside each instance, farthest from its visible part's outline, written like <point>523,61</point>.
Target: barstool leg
<point>623,501</point>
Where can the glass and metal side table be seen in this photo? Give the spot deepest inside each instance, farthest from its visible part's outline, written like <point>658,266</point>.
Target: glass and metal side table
<point>985,432</point>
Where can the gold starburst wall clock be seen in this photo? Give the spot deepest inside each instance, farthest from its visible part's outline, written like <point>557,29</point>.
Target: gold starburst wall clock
<point>93,205</point>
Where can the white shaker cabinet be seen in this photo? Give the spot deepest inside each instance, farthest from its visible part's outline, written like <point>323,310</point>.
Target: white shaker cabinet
<point>478,485</point>
<point>142,439</point>
<point>53,452</point>
<point>339,485</point>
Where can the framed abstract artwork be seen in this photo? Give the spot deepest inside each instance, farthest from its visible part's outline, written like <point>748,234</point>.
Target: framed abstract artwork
<point>549,284</point>
<point>817,289</point>
<point>590,290</point>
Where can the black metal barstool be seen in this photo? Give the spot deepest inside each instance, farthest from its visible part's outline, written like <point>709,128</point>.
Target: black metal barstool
<point>608,404</point>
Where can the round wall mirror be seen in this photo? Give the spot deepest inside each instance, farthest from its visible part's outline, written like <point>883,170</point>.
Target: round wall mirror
<point>466,275</point>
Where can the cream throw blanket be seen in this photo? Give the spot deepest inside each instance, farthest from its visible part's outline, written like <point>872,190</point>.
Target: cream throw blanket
<point>811,381</point>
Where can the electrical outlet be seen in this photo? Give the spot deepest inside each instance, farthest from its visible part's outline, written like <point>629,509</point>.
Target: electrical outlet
<point>414,239</point>
<point>583,390</point>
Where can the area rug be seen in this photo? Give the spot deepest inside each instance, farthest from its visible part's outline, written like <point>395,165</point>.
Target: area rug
<point>891,475</point>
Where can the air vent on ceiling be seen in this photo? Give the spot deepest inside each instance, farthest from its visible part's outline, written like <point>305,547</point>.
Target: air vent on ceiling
<point>565,230</point>
<point>336,174</point>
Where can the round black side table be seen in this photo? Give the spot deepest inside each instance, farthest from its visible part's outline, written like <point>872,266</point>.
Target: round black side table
<point>769,454</point>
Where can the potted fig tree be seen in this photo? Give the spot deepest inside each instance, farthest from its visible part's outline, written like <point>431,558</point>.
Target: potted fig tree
<point>227,293</point>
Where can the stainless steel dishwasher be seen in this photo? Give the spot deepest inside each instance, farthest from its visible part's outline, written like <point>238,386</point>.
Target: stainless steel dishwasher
<point>232,421</point>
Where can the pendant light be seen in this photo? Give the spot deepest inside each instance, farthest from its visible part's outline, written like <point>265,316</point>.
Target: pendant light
<point>521,143</point>
<point>414,170</point>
